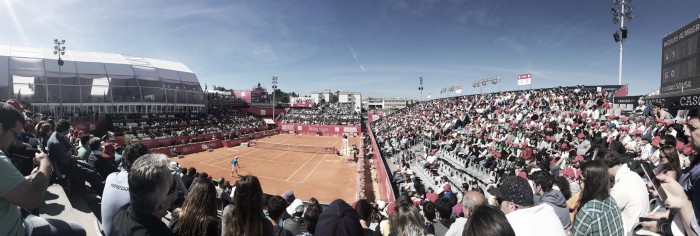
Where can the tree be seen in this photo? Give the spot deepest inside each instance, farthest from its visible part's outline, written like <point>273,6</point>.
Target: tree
<point>334,97</point>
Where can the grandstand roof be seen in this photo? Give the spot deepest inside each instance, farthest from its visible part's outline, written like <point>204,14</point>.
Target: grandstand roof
<point>28,61</point>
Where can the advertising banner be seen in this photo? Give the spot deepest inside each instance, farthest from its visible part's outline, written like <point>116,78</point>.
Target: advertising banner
<point>323,129</point>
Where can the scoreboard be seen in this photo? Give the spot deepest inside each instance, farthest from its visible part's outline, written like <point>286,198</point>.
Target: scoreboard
<point>680,59</point>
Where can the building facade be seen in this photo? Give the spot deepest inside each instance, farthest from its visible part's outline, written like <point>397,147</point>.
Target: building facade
<point>96,82</point>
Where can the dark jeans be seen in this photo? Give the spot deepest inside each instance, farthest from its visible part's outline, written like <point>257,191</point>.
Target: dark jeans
<point>39,226</point>
<point>83,172</point>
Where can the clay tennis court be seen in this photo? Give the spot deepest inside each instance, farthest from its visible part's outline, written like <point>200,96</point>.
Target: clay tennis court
<point>324,176</point>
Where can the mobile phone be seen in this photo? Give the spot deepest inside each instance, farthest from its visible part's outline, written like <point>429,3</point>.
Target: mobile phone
<point>644,219</point>
<point>649,172</point>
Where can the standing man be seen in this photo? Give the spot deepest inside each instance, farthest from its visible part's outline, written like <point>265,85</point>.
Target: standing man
<point>234,166</point>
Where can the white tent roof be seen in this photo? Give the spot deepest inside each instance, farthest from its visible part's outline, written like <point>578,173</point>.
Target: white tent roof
<point>27,61</point>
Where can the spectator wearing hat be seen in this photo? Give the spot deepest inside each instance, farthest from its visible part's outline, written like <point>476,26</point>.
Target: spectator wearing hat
<point>182,191</point>
<point>339,219</point>
<point>288,196</point>
<point>544,182</point>
<point>105,163</point>
<point>515,198</point>
<point>151,191</point>
<point>470,201</point>
<point>597,212</point>
<point>295,224</point>
<point>628,190</point>
<point>584,146</point>
<point>116,192</point>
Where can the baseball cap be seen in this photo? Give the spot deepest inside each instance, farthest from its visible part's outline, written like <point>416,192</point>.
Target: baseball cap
<point>514,189</point>
<point>580,135</point>
<point>432,197</point>
<point>578,158</point>
<point>173,166</point>
<point>568,172</point>
<point>297,206</point>
<point>15,104</point>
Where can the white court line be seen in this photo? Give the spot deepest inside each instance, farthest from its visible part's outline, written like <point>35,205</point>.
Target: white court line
<point>283,152</point>
<point>317,164</point>
<point>260,176</point>
<point>259,159</point>
<point>219,159</point>
<point>307,162</point>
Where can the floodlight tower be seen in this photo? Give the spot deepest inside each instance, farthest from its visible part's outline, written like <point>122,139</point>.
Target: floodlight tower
<point>274,87</point>
<point>622,11</point>
<point>59,49</point>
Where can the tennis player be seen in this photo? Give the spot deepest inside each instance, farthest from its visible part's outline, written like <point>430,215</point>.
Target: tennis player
<point>234,166</point>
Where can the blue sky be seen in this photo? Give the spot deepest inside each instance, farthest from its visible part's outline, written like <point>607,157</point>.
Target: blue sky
<point>377,47</point>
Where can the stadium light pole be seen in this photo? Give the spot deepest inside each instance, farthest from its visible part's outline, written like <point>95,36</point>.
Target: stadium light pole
<point>624,13</point>
<point>58,49</point>
<point>421,88</point>
<point>274,88</point>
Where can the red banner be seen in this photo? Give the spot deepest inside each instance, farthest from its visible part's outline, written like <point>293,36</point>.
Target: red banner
<point>323,129</point>
<point>386,192</point>
<point>165,142</point>
<point>204,146</point>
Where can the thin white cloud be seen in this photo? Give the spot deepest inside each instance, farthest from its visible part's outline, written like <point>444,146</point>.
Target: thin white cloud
<point>354,55</point>
<point>511,44</point>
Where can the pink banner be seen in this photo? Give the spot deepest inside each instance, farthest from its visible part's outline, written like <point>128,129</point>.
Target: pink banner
<point>331,130</point>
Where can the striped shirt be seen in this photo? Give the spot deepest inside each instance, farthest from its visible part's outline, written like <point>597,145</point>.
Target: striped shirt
<point>599,218</point>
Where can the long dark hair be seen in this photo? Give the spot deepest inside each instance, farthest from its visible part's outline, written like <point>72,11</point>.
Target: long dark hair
<point>488,221</point>
<point>247,216</point>
<point>563,185</point>
<point>596,182</point>
<point>311,215</point>
<point>674,162</point>
<point>199,205</point>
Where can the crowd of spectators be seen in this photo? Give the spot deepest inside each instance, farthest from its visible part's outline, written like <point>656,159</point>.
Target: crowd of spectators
<point>324,114</point>
<point>224,98</point>
<point>170,125</point>
<point>553,152</point>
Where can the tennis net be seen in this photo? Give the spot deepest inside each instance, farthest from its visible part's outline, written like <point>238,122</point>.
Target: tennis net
<point>292,148</point>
